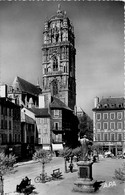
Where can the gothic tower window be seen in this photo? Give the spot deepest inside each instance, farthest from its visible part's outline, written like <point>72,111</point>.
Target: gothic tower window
<point>54,87</point>
<point>55,64</point>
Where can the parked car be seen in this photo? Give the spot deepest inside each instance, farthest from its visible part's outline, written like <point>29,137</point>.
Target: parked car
<point>108,154</point>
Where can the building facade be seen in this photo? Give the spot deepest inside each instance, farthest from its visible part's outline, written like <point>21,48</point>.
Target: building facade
<point>10,127</point>
<point>24,93</point>
<point>59,59</point>
<point>64,125</point>
<point>36,128</point>
<point>109,124</point>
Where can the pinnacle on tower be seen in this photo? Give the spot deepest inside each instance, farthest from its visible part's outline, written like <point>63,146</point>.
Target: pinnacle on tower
<point>59,10</point>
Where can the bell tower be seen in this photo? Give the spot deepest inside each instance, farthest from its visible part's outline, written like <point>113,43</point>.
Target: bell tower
<point>58,62</point>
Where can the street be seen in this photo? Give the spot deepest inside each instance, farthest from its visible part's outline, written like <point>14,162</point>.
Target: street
<point>103,170</point>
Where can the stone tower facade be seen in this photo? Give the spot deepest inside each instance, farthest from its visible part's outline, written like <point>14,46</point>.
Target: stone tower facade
<point>58,63</point>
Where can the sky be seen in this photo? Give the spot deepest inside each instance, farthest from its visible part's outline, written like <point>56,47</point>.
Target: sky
<point>99,42</point>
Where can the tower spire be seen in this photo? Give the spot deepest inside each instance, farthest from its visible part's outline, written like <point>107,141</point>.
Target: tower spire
<point>59,9</point>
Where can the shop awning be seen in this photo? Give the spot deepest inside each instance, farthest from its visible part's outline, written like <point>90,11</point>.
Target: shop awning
<point>57,147</point>
<point>46,148</point>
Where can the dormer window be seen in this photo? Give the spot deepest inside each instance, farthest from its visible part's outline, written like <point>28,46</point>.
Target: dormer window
<point>105,105</point>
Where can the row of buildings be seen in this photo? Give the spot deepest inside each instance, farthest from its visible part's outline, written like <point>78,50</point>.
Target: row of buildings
<point>25,128</point>
<point>28,125</point>
<point>33,116</point>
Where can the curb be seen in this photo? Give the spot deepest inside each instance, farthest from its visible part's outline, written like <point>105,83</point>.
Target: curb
<point>24,163</point>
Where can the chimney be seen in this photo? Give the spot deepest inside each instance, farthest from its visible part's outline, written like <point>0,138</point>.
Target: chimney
<point>41,101</point>
<point>96,102</point>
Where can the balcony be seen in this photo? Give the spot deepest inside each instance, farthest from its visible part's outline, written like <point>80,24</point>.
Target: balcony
<point>57,129</point>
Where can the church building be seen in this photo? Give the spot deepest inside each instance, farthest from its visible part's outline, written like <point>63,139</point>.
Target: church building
<point>58,63</point>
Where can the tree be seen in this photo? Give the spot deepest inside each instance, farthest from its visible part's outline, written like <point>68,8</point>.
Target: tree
<point>120,173</point>
<point>77,152</point>
<point>86,125</point>
<point>6,166</point>
<point>44,157</point>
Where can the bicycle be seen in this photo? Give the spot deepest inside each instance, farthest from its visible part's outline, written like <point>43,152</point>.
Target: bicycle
<point>42,178</point>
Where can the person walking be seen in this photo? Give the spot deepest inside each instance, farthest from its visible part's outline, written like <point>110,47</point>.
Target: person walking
<point>71,167</point>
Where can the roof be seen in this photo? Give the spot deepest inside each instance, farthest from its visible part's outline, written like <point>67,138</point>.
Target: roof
<point>6,102</point>
<point>111,103</point>
<point>40,112</point>
<point>57,103</point>
<point>25,86</point>
<point>29,120</point>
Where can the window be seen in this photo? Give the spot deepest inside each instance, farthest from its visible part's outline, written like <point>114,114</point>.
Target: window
<point>1,109</point>
<point>19,138</point>
<point>5,109</point>
<point>4,138</point>
<point>56,125</point>
<point>45,120</point>
<point>105,116</point>
<point>9,111</point>
<point>112,125</point>
<point>105,126</point>
<point>112,137</point>
<point>54,87</point>
<point>119,137</point>
<point>15,138</point>
<point>98,126</point>
<point>58,138</point>
<point>2,124</point>
<point>102,136</point>
<point>105,137</point>
<point>56,112</point>
<point>119,115</point>
<point>119,125</point>
<point>45,131</point>
<point>98,137</point>
<point>5,124</point>
<point>112,116</point>
<point>98,116</point>
<point>10,138</point>
<point>109,136</point>
<point>55,64</point>
<point>10,125</point>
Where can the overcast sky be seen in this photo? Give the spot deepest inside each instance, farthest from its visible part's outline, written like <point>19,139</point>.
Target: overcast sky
<point>99,45</point>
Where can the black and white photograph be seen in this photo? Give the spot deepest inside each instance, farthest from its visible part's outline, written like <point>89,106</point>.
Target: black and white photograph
<point>62,97</point>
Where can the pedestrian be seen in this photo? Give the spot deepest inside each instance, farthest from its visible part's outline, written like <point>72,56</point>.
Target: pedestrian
<point>71,167</point>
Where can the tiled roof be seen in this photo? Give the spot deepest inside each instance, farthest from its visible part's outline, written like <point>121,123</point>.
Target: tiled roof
<point>25,86</point>
<point>111,103</point>
<point>40,112</point>
<point>57,103</point>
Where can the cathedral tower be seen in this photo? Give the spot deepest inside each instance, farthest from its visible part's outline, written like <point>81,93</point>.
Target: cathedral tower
<point>58,63</point>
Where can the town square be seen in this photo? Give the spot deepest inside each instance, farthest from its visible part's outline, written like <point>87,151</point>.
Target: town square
<point>62,97</point>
